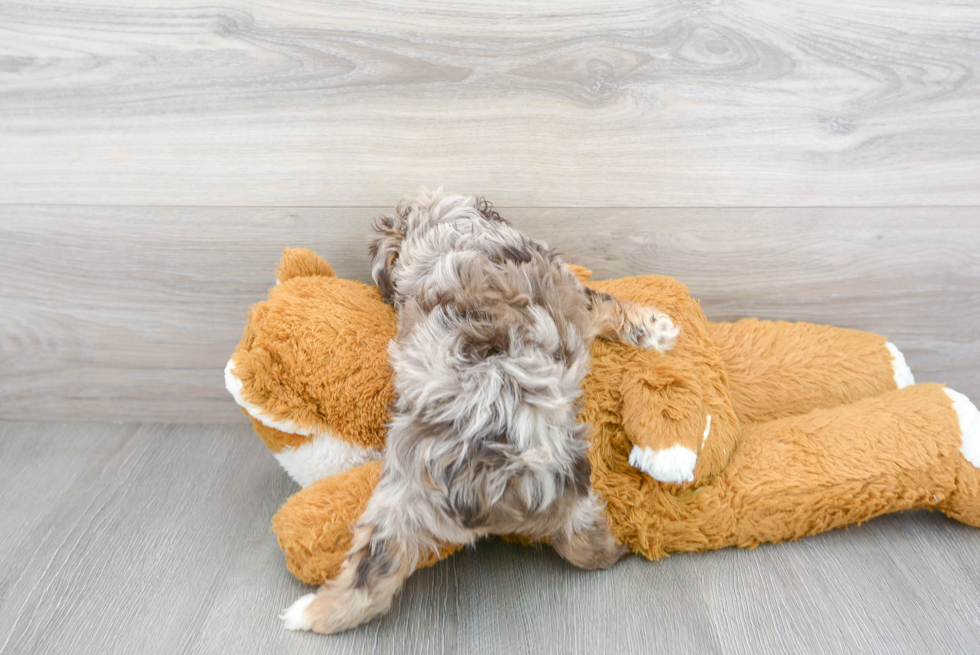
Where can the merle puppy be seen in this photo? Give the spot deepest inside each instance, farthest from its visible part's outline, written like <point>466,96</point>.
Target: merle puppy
<point>492,346</point>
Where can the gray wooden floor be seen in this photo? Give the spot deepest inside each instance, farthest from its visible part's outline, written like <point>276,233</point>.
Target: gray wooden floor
<point>154,538</point>
<point>808,159</point>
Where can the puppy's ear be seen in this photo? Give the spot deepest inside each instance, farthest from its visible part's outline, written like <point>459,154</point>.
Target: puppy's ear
<point>384,248</point>
<point>488,211</point>
<point>382,277</point>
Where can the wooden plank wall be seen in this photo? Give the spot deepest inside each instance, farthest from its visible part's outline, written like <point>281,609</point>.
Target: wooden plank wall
<point>131,313</point>
<point>800,160</point>
<point>589,103</point>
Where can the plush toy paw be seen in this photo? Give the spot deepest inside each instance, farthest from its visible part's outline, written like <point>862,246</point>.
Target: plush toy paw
<point>674,464</point>
<point>903,374</point>
<point>969,417</point>
<point>654,331</point>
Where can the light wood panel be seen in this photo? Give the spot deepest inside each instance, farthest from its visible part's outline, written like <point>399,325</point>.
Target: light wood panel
<point>131,313</point>
<point>155,539</point>
<point>299,102</point>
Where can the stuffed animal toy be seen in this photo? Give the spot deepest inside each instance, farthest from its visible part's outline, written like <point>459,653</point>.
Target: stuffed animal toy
<point>744,433</point>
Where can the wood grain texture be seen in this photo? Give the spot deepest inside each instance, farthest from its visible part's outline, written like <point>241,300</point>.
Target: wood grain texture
<point>303,103</point>
<point>155,158</point>
<point>131,313</point>
<point>155,539</point>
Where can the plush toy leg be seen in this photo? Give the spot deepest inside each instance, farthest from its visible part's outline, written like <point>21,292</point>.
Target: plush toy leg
<point>315,526</point>
<point>778,369</point>
<point>675,408</point>
<point>963,504</point>
<point>830,468</point>
<point>667,444</point>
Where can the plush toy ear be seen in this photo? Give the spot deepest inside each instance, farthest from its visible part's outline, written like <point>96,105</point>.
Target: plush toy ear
<point>583,274</point>
<point>300,262</point>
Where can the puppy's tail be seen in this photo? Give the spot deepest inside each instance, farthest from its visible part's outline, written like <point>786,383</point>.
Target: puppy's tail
<point>389,543</point>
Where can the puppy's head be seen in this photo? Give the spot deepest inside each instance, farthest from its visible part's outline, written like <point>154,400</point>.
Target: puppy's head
<point>428,208</point>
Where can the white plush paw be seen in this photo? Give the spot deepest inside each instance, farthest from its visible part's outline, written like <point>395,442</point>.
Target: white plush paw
<point>294,616</point>
<point>655,332</point>
<point>674,464</point>
<point>969,417</point>
<point>903,374</point>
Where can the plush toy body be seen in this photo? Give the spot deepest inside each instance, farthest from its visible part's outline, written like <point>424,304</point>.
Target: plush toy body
<point>744,433</point>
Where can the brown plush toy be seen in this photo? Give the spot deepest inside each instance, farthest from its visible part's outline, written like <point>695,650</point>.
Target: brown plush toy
<point>744,433</point>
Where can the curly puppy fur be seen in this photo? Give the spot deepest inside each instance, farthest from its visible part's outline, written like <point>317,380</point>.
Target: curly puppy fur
<point>492,346</point>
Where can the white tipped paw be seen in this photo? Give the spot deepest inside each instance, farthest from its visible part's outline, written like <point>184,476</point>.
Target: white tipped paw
<point>654,331</point>
<point>294,616</point>
<point>903,374</point>
<point>969,417</point>
<point>674,464</point>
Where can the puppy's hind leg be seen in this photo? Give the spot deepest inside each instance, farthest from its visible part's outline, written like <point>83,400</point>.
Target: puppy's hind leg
<point>385,551</point>
<point>586,540</point>
<point>627,322</point>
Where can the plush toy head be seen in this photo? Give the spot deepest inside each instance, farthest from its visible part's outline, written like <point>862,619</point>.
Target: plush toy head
<point>312,372</point>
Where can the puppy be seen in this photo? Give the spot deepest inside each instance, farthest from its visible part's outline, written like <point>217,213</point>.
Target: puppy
<point>492,346</point>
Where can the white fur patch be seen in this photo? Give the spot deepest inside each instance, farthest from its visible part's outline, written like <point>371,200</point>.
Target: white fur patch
<point>323,456</point>
<point>674,464</point>
<point>903,374</point>
<point>234,386</point>
<point>320,457</point>
<point>707,429</point>
<point>969,418</point>
<point>294,616</point>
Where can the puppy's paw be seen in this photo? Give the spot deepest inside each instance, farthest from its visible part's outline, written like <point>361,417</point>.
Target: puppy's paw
<point>294,616</point>
<point>334,608</point>
<point>654,331</point>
